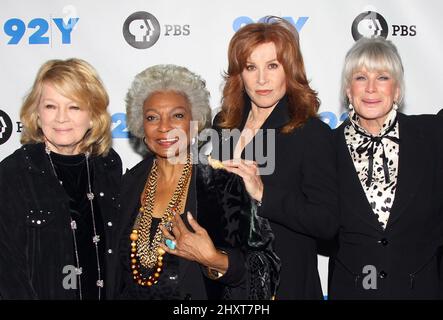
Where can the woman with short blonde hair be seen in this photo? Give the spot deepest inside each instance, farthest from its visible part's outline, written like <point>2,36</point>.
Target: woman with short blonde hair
<point>59,190</point>
<point>78,80</point>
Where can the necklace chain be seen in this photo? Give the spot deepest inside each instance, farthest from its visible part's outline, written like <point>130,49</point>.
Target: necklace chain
<point>95,238</point>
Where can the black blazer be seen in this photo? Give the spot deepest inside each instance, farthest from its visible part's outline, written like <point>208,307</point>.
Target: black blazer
<point>300,196</point>
<point>406,254</point>
<point>35,229</point>
<point>217,200</point>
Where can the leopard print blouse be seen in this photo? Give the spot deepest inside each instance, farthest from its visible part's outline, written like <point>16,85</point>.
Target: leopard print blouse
<point>379,182</point>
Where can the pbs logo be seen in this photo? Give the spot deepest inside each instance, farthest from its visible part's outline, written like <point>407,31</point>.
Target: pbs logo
<point>369,24</point>
<point>5,127</point>
<point>141,30</point>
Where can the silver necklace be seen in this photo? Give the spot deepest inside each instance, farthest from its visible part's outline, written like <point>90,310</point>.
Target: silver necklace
<point>95,238</point>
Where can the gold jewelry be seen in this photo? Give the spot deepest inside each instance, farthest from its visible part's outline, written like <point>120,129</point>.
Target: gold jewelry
<point>214,274</point>
<point>148,253</point>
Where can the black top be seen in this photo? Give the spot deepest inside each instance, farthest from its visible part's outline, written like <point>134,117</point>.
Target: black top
<point>72,171</point>
<point>167,286</point>
<point>220,204</point>
<point>35,232</point>
<point>402,261</point>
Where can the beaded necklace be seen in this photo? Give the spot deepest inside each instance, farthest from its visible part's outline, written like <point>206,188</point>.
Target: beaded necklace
<point>148,253</point>
<point>95,238</point>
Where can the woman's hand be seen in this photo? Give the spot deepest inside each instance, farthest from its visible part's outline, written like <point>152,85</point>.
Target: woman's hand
<point>248,170</point>
<point>195,246</point>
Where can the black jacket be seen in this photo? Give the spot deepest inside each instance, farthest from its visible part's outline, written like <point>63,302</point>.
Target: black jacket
<point>35,234</point>
<point>219,203</point>
<point>406,254</point>
<point>300,196</point>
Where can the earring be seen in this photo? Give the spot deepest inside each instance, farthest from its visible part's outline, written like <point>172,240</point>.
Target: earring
<point>350,106</point>
<point>395,106</point>
<point>144,141</point>
<point>39,123</point>
<point>90,124</point>
<point>193,140</point>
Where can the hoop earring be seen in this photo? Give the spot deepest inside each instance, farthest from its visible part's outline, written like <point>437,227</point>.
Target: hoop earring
<point>144,141</point>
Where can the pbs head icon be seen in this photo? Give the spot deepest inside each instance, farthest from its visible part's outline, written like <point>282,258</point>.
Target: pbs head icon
<point>141,30</point>
<point>369,24</point>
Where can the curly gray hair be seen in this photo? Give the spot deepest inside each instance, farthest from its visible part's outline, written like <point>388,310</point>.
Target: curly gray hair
<point>167,77</point>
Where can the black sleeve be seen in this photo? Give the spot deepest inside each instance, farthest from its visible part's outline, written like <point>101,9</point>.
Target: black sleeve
<point>314,211</point>
<point>230,216</point>
<point>15,282</point>
<point>235,275</point>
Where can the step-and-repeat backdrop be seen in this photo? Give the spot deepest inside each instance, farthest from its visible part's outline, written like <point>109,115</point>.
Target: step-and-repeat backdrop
<point>121,38</point>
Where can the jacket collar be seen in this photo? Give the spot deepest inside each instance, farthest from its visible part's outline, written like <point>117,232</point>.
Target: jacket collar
<point>277,119</point>
<point>411,164</point>
<point>36,160</point>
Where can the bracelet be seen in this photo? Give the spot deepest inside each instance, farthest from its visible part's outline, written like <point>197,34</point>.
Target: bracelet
<point>214,274</point>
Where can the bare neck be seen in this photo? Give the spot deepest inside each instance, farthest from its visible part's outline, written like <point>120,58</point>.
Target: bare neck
<point>169,170</point>
<point>372,126</point>
<point>258,116</point>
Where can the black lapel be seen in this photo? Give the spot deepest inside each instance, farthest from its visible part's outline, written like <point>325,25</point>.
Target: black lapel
<point>411,162</point>
<point>191,206</point>
<point>276,120</point>
<point>279,116</point>
<point>133,185</point>
<point>350,183</point>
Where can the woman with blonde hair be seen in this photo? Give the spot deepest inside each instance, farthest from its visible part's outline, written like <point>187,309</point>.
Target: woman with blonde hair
<point>59,190</point>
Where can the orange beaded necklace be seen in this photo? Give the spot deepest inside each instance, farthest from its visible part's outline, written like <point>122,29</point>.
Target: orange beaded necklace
<point>148,253</point>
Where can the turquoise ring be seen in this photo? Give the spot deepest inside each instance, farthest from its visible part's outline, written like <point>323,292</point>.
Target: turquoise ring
<point>170,244</point>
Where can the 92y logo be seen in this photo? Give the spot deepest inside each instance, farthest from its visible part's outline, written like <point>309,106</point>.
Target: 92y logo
<point>40,30</point>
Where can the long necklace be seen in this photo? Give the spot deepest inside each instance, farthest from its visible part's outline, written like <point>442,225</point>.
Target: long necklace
<point>95,238</point>
<point>148,253</point>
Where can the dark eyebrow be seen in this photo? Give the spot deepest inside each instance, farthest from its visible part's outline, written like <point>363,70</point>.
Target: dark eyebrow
<point>172,109</point>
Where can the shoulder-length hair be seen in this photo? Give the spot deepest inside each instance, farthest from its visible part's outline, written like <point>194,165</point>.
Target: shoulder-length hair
<point>303,101</point>
<point>77,80</point>
<point>373,54</point>
<point>162,78</point>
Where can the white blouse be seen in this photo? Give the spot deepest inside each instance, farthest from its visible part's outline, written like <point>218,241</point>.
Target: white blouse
<point>378,177</point>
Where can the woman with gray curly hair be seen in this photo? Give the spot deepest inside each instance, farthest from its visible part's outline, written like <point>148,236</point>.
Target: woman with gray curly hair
<point>219,248</point>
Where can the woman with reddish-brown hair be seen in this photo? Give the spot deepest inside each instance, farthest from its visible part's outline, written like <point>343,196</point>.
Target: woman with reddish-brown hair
<point>270,135</point>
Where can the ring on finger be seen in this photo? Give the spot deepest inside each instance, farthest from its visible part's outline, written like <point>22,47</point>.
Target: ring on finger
<point>170,243</point>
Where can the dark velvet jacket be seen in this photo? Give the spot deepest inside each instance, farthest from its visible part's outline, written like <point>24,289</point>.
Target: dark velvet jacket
<point>406,255</point>
<point>299,197</point>
<point>220,204</point>
<point>35,234</point>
